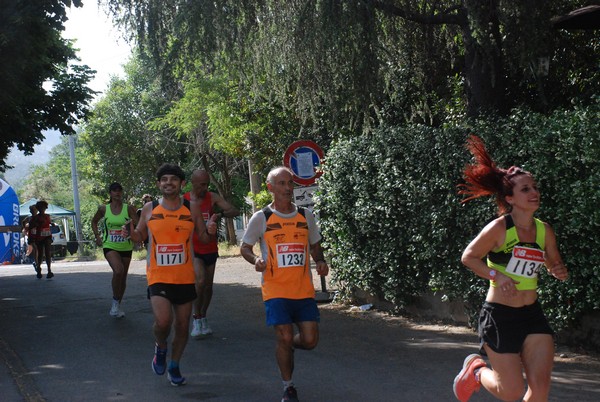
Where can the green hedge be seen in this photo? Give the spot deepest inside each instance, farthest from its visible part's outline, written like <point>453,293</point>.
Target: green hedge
<point>393,223</point>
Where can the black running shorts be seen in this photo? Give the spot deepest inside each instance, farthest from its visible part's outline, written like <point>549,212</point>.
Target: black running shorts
<point>505,328</point>
<point>176,294</point>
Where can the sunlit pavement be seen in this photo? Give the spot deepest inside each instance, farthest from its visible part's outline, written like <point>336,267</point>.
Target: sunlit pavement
<point>58,343</point>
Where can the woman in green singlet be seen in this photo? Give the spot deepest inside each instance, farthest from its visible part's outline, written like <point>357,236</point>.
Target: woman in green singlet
<point>509,252</point>
<point>117,248</point>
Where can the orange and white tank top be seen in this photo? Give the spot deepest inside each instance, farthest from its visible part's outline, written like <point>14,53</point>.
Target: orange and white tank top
<point>288,272</point>
<point>170,250</point>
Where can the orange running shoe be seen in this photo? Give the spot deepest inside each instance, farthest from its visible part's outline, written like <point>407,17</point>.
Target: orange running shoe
<point>465,383</point>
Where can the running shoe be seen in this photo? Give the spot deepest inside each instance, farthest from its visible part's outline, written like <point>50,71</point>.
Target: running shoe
<point>159,362</point>
<point>290,395</point>
<point>39,275</point>
<point>196,328</point>
<point>465,383</point>
<point>175,377</point>
<point>50,275</point>
<point>205,329</point>
<point>115,310</point>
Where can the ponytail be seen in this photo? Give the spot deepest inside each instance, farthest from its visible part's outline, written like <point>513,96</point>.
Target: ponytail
<point>484,178</point>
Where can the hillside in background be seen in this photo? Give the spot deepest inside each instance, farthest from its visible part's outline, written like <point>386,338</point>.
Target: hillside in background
<point>22,164</point>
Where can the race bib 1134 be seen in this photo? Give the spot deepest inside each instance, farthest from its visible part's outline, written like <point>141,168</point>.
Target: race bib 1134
<point>525,261</point>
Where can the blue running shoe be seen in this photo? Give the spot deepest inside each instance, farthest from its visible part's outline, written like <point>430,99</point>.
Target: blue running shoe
<point>159,363</point>
<point>175,377</point>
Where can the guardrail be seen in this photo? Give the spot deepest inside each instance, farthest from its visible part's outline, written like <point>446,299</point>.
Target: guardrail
<point>11,228</point>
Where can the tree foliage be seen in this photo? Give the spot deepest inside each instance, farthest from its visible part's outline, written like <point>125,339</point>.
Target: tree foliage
<point>41,87</point>
<point>138,126</point>
<point>343,67</point>
<point>404,231</point>
<point>121,146</point>
<point>211,119</point>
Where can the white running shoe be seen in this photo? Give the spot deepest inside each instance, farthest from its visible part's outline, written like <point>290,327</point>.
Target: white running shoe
<point>205,329</point>
<point>196,328</point>
<point>115,310</point>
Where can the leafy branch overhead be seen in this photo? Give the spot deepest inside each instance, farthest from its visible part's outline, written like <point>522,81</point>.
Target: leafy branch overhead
<point>42,86</point>
<point>346,67</point>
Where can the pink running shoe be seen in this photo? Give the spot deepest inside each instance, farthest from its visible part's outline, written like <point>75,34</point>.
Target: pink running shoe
<point>465,383</point>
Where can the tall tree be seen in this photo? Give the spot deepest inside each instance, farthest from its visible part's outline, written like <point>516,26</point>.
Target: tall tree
<point>210,118</point>
<point>40,87</point>
<point>343,66</point>
<point>116,135</point>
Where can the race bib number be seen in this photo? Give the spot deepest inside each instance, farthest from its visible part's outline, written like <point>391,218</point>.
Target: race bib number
<point>45,232</point>
<point>170,254</point>
<point>116,236</point>
<point>290,255</point>
<point>525,261</point>
<point>205,216</point>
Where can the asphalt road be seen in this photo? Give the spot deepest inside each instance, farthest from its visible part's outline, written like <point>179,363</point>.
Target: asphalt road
<point>58,343</point>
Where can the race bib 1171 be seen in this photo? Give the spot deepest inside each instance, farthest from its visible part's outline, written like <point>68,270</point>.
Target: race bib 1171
<point>170,254</point>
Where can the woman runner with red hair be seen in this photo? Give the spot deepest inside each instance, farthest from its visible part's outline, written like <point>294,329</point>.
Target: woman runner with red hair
<point>513,331</point>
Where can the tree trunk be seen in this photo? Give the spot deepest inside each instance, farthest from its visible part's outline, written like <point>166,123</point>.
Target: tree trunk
<point>254,182</point>
<point>484,69</point>
<point>231,236</point>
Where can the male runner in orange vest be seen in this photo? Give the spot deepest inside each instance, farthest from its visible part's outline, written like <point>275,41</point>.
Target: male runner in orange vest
<point>288,235</point>
<point>169,224</point>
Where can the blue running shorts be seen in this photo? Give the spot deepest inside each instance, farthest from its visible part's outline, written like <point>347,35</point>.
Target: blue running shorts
<point>287,311</point>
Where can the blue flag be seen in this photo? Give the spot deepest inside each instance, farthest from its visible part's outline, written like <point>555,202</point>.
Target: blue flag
<point>10,249</point>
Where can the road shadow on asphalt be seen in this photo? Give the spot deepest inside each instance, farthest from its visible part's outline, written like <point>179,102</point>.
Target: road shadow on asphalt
<point>71,350</point>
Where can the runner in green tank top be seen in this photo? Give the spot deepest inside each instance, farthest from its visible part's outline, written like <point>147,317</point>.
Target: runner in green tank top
<point>117,248</point>
<point>513,331</point>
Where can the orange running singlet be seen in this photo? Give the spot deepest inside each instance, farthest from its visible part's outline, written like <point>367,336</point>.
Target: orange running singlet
<point>170,252</point>
<point>288,272</point>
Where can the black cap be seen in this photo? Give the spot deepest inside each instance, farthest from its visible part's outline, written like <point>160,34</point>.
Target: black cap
<point>115,186</point>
